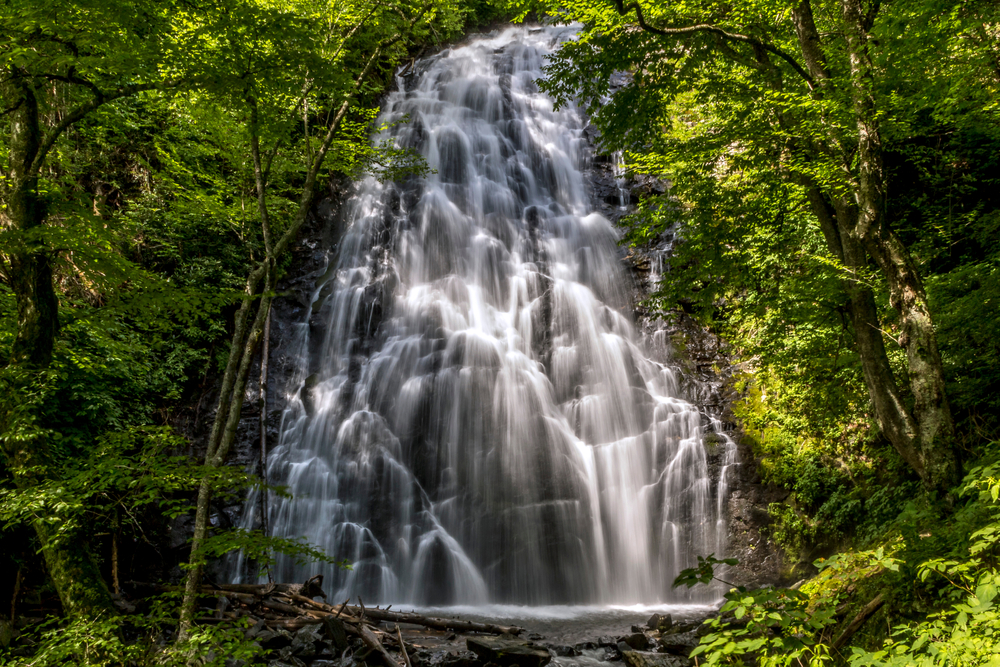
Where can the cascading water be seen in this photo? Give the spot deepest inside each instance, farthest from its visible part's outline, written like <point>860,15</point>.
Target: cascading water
<point>477,420</point>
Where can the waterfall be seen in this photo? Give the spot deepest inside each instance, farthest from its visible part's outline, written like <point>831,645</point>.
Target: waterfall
<point>475,417</point>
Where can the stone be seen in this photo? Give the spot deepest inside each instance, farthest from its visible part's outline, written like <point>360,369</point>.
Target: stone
<point>680,643</point>
<point>637,641</point>
<point>638,628</point>
<point>303,648</point>
<point>253,632</point>
<point>660,622</point>
<point>586,646</point>
<point>453,659</point>
<point>7,633</point>
<point>508,652</point>
<point>274,639</point>
<point>307,641</point>
<point>607,641</point>
<point>565,651</point>
<point>645,659</point>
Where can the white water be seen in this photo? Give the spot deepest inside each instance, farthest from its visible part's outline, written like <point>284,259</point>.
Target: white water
<point>476,419</point>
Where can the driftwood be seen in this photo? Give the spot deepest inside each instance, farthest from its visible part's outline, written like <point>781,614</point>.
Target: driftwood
<point>858,621</point>
<point>292,607</point>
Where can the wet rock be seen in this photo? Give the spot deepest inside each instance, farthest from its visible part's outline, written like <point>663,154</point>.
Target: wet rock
<point>565,651</point>
<point>658,622</point>
<point>644,659</point>
<point>508,652</point>
<point>586,646</point>
<point>637,641</point>
<point>679,643</point>
<point>457,658</point>
<point>607,641</point>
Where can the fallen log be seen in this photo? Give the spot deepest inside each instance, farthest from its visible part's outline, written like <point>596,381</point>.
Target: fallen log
<point>251,594</point>
<point>858,621</point>
<point>452,624</point>
<point>353,614</point>
<point>372,642</point>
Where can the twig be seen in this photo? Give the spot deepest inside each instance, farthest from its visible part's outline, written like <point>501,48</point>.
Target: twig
<point>402,646</point>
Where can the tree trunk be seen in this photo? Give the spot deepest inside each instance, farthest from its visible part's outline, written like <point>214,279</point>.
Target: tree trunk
<point>77,579</point>
<point>932,432</point>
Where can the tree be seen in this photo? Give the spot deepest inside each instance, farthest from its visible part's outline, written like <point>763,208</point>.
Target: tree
<point>808,91</point>
<point>60,62</point>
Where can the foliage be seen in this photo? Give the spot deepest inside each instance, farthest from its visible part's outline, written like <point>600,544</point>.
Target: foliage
<point>99,642</point>
<point>737,134</point>
<point>967,630</point>
<point>956,622</point>
<point>767,626</point>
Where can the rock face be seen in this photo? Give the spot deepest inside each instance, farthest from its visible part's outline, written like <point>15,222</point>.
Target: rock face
<point>509,652</point>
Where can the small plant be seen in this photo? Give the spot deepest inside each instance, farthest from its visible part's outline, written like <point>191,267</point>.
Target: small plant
<point>769,627</point>
<point>967,633</point>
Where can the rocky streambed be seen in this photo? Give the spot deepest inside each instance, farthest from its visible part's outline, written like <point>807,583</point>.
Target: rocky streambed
<point>562,636</point>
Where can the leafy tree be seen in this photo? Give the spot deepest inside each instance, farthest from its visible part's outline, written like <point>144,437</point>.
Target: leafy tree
<point>61,61</point>
<point>770,111</point>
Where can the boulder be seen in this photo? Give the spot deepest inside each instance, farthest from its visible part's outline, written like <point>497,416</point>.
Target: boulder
<point>660,622</point>
<point>680,643</point>
<point>508,652</point>
<point>644,659</point>
<point>637,641</point>
<point>565,651</point>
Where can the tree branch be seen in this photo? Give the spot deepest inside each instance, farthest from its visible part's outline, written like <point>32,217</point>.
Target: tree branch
<point>81,111</point>
<point>715,30</point>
